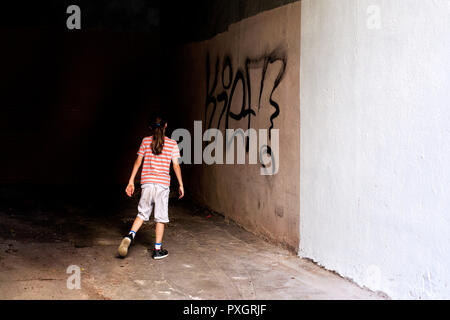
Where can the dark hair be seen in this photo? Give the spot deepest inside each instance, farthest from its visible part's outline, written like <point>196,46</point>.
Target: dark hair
<point>157,125</point>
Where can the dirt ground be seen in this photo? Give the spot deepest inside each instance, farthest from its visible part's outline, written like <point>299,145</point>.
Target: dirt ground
<point>209,257</point>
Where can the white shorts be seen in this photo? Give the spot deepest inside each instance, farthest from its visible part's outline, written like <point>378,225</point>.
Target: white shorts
<point>157,195</point>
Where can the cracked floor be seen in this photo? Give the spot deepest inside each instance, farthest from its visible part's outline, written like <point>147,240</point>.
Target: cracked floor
<point>209,258</point>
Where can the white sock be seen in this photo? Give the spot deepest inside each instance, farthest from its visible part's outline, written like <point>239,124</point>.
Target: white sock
<point>133,233</point>
<point>158,246</point>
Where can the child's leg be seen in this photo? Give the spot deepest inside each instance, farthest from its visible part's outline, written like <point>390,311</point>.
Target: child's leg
<point>144,208</point>
<point>161,218</point>
<point>159,252</point>
<point>137,224</point>
<point>159,230</point>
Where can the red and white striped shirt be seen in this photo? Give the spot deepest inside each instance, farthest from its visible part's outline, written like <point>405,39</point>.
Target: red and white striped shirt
<point>156,168</point>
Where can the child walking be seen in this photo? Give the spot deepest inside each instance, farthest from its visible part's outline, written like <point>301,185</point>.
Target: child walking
<point>156,151</point>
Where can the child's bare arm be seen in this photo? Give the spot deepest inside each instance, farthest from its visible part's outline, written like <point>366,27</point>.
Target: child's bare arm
<point>177,169</point>
<point>130,187</point>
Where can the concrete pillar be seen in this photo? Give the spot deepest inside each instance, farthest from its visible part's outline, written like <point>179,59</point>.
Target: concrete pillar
<point>375,142</point>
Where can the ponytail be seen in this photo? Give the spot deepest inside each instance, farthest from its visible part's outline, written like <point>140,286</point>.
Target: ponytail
<point>158,128</point>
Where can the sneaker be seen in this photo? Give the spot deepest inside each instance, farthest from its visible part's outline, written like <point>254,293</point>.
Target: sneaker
<point>159,254</point>
<point>124,245</point>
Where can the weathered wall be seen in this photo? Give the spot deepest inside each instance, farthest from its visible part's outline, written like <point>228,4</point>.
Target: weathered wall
<point>375,149</point>
<point>267,205</point>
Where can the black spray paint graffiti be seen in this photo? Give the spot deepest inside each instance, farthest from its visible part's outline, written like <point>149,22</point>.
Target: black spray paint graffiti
<point>221,101</point>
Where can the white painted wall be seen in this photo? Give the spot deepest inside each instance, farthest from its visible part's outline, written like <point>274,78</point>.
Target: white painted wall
<point>375,143</point>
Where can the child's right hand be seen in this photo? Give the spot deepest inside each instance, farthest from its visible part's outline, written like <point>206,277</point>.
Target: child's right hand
<point>130,189</point>
<point>181,192</point>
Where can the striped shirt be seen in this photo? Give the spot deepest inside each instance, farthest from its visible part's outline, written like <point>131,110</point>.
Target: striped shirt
<point>156,168</point>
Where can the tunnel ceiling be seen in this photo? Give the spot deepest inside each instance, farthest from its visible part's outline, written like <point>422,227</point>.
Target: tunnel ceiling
<point>103,15</point>
<point>199,20</point>
<point>182,21</point>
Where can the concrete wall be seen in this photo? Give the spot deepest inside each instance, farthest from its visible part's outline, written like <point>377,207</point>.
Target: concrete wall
<point>267,205</point>
<point>375,143</point>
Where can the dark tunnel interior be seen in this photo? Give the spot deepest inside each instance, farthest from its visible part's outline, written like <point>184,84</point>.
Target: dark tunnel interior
<point>73,100</point>
<point>75,104</point>
<point>77,101</point>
